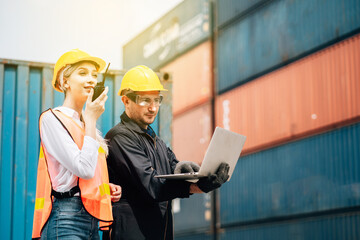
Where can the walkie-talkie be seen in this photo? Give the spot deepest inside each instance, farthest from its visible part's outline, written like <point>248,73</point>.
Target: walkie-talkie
<point>99,88</point>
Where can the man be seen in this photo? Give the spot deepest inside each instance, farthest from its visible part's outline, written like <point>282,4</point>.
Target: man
<point>137,155</point>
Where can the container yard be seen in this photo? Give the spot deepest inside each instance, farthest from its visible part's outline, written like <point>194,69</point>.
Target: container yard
<point>284,73</point>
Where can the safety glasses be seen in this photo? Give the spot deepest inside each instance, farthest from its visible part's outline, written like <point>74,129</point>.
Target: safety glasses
<point>145,101</point>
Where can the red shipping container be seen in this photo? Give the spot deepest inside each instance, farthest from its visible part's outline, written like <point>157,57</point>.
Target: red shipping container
<point>192,132</point>
<point>192,78</point>
<point>314,94</point>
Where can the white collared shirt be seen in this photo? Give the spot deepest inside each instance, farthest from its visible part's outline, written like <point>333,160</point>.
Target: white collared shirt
<point>66,161</point>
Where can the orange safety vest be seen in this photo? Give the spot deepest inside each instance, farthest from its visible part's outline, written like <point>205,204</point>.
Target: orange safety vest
<point>94,192</point>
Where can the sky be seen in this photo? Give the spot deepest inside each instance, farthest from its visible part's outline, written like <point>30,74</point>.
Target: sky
<point>42,30</point>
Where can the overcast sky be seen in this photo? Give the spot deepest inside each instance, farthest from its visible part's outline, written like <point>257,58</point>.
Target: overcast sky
<point>41,30</point>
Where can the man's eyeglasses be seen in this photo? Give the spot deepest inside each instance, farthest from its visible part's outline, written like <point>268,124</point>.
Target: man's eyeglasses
<point>145,101</point>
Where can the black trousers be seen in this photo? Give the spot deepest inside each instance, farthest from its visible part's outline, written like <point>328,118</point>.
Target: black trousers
<point>131,223</point>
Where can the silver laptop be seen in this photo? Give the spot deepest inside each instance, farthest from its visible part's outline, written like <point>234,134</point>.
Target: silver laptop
<point>225,146</point>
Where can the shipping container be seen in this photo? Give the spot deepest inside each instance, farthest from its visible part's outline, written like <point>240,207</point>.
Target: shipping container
<point>313,94</point>
<point>185,26</point>
<point>310,176</point>
<point>197,236</point>
<point>165,112</point>
<point>333,227</point>
<point>279,33</point>
<point>228,11</point>
<point>26,91</point>
<point>192,215</point>
<point>192,78</point>
<point>192,131</point>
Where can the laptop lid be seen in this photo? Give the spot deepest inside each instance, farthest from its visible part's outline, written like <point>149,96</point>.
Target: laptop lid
<point>225,146</point>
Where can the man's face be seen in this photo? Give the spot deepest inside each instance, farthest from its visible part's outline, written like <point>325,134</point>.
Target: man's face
<point>142,115</point>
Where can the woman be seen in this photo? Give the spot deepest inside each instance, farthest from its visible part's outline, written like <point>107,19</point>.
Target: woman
<point>73,192</point>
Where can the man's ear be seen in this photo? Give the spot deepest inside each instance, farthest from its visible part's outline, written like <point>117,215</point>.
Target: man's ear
<point>125,100</point>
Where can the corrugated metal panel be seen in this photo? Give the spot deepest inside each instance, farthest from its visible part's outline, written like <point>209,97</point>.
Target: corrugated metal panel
<point>191,133</point>
<point>335,227</point>
<point>118,105</point>
<point>26,91</point>
<point>316,93</point>
<point>47,93</point>
<point>165,112</point>
<point>279,33</point>
<point>8,148</point>
<point>21,124</point>
<point>1,102</point>
<point>192,78</point>
<point>179,30</point>
<point>32,146</point>
<point>315,174</point>
<point>227,10</point>
<point>193,214</point>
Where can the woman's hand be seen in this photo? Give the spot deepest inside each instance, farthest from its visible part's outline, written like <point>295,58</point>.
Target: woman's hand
<point>93,111</point>
<point>115,191</point>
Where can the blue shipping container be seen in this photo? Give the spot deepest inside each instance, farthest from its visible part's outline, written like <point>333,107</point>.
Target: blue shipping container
<point>26,91</point>
<point>334,227</point>
<point>228,10</point>
<point>278,33</point>
<point>194,214</point>
<point>315,174</point>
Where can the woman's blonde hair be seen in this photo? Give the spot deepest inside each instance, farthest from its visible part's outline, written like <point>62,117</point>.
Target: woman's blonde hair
<point>65,73</point>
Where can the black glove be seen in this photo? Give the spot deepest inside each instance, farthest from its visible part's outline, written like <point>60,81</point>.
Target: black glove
<point>214,181</point>
<point>186,167</point>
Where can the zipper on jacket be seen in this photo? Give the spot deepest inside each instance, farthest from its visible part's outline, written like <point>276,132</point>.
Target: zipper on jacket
<point>153,139</point>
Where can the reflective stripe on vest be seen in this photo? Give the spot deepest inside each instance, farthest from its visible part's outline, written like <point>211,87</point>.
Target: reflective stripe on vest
<point>95,192</point>
<point>43,201</point>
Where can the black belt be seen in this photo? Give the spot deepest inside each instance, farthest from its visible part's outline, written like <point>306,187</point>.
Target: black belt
<point>69,194</point>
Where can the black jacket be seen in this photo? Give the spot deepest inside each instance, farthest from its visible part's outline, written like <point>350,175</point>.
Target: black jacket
<point>144,212</point>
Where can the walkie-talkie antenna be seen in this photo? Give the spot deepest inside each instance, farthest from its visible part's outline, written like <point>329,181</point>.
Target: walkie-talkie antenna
<point>104,75</point>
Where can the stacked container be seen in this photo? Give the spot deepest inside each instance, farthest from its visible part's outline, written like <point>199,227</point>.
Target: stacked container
<point>179,43</point>
<point>286,76</point>
<point>288,79</point>
<point>26,91</point>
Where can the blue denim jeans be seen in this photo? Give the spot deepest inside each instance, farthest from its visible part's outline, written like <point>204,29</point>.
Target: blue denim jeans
<point>69,220</point>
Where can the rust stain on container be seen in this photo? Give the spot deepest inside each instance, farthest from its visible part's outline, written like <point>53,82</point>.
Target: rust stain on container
<point>191,133</point>
<point>314,94</point>
<point>192,77</point>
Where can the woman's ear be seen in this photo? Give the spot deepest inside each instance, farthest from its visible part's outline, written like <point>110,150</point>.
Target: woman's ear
<point>66,85</point>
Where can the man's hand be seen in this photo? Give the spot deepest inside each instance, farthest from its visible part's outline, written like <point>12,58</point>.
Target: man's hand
<point>186,167</point>
<point>115,191</point>
<point>214,181</point>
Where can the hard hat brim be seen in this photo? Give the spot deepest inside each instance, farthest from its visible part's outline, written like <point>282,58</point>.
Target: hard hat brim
<point>147,90</point>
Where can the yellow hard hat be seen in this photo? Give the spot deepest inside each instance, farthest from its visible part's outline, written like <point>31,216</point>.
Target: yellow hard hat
<point>140,79</point>
<point>71,57</point>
